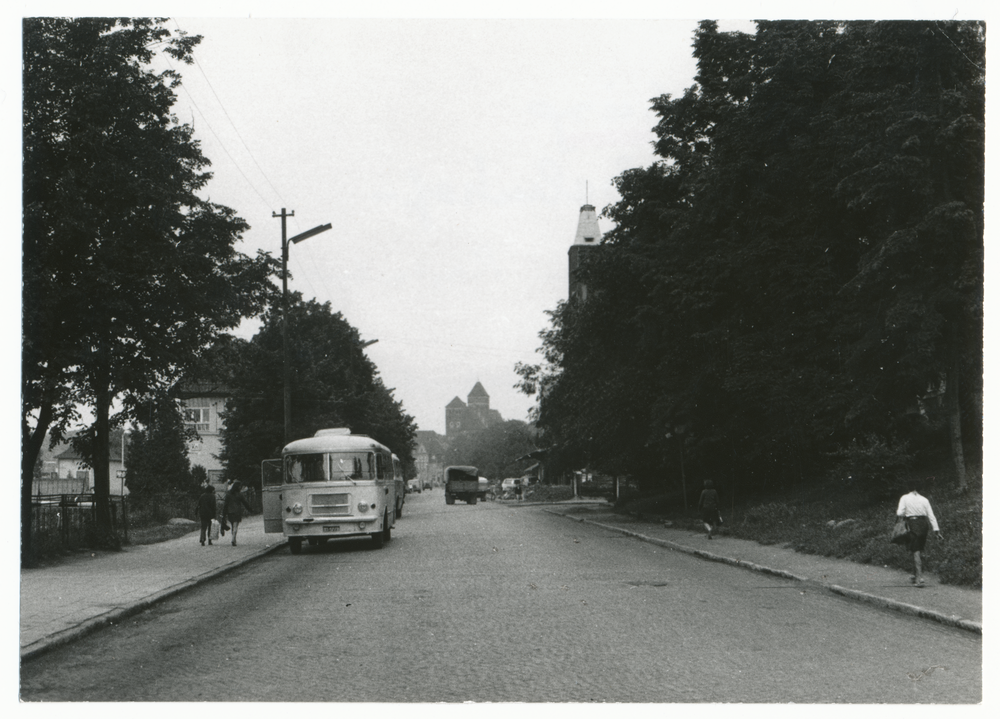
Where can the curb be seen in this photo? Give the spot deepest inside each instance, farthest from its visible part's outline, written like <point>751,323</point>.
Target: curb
<point>951,621</point>
<point>89,626</point>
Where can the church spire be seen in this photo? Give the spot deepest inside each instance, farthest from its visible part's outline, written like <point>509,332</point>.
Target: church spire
<point>588,234</point>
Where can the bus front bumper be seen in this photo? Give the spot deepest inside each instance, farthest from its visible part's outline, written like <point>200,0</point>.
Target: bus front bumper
<point>330,527</point>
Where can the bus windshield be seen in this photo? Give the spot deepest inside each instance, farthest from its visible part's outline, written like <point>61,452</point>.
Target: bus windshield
<point>305,468</point>
<point>336,466</point>
<point>352,465</point>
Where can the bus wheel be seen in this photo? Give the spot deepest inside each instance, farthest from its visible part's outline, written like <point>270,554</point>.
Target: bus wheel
<point>399,511</point>
<point>471,500</point>
<point>448,499</point>
<point>295,545</point>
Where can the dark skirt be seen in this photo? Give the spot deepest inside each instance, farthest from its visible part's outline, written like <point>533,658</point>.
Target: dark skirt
<point>919,528</point>
<point>710,515</point>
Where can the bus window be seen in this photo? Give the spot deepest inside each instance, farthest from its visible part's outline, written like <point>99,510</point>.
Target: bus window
<point>380,466</point>
<point>304,468</point>
<point>349,465</point>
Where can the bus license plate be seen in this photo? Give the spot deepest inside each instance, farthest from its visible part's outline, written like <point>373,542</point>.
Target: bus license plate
<point>331,527</point>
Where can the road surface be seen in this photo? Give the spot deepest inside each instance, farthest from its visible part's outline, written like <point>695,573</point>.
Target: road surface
<point>491,603</point>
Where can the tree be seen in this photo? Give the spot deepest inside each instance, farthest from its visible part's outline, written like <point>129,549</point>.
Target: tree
<point>158,452</point>
<point>127,272</point>
<point>333,384</point>
<point>495,450</point>
<point>800,265</point>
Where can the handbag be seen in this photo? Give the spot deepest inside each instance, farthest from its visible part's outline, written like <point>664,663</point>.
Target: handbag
<point>214,531</point>
<point>900,534</point>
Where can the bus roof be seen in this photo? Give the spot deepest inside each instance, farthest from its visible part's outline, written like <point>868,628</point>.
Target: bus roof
<point>333,441</point>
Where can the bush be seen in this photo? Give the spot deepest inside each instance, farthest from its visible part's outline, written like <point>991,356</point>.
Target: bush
<point>875,466</point>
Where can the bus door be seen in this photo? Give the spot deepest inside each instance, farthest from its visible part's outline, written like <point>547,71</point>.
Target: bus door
<point>271,478</point>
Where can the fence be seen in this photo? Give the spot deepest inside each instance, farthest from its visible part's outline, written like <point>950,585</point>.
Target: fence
<point>62,522</point>
<point>65,522</point>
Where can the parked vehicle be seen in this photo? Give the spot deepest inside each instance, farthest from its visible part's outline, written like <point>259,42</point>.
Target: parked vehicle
<point>461,482</point>
<point>334,484</point>
<point>415,485</point>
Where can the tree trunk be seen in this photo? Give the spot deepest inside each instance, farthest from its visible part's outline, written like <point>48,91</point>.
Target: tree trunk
<point>31,446</point>
<point>955,426</point>
<point>106,536</point>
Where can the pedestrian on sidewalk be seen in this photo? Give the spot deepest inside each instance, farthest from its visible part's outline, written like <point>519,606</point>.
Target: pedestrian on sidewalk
<point>708,503</point>
<point>206,512</point>
<point>233,506</point>
<point>920,519</point>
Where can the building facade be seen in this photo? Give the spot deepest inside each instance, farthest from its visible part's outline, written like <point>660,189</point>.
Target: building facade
<point>470,416</point>
<point>202,404</point>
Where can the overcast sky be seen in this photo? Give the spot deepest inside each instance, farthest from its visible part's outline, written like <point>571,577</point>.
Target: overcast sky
<point>450,156</point>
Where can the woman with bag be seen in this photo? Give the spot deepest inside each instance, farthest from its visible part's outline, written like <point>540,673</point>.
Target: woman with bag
<point>233,506</point>
<point>206,512</point>
<point>916,512</point>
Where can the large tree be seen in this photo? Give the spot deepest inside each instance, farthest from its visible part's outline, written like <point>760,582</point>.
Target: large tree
<point>800,265</point>
<point>127,271</point>
<point>333,383</point>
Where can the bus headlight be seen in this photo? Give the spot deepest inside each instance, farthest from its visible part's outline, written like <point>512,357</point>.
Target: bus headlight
<point>297,508</point>
<point>362,507</point>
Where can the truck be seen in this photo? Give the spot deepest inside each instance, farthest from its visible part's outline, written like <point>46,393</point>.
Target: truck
<point>461,482</point>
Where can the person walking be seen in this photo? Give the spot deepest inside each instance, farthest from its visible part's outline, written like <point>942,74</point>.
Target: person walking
<point>206,512</point>
<point>708,503</point>
<point>233,506</point>
<point>920,520</point>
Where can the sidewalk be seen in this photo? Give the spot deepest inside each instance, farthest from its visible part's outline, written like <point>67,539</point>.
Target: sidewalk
<point>64,602</point>
<point>960,607</point>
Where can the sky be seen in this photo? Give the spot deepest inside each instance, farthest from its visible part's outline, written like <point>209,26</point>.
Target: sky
<point>451,158</point>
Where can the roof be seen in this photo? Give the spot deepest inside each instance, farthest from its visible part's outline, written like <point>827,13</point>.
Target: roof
<point>478,391</point>
<point>432,442</point>
<point>333,443</point>
<point>455,403</point>
<point>189,390</point>
<point>114,447</point>
<point>588,232</point>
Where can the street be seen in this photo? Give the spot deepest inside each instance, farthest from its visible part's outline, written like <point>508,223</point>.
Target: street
<point>491,603</point>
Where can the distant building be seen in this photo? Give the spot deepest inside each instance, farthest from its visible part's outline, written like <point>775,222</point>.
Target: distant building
<point>473,416</point>
<point>62,470</point>
<point>588,234</point>
<point>429,456</point>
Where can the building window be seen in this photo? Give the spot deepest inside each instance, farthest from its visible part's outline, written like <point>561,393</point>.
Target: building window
<point>197,413</point>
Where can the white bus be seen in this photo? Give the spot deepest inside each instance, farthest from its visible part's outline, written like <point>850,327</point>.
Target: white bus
<point>334,484</point>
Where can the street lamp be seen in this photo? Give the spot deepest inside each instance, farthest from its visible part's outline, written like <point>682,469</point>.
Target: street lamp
<point>284,306</point>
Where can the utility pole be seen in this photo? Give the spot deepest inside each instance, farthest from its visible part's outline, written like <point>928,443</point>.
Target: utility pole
<point>287,389</point>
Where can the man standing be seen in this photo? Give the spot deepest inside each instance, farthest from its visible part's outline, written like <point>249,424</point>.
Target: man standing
<point>919,516</point>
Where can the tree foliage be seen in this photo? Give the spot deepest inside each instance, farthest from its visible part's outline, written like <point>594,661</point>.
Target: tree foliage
<point>158,450</point>
<point>799,269</point>
<point>333,384</point>
<point>495,450</point>
<point>127,271</point>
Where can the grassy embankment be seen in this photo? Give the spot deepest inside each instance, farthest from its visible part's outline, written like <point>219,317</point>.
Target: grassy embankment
<point>801,518</point>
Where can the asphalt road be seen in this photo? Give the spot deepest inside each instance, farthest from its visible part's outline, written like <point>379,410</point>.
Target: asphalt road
<point>490,603</point>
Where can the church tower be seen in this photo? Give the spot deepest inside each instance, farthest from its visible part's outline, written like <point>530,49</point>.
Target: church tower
<point>588,234</point>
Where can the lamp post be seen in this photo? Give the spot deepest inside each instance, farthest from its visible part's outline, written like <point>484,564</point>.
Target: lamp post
<point>284,307</point>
